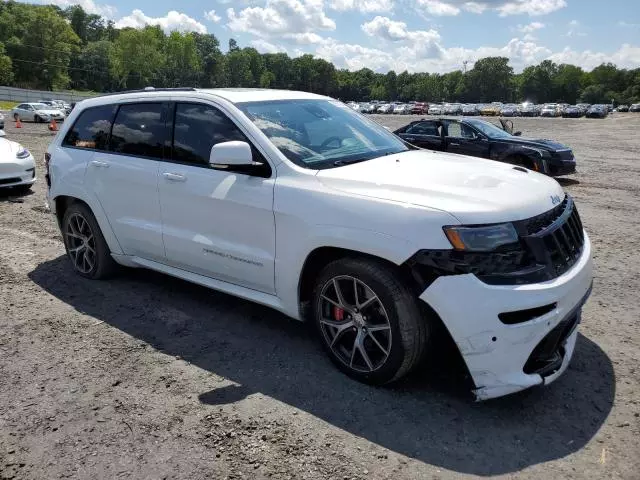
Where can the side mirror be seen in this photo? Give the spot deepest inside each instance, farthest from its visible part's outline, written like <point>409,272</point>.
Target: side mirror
<point>2,134</point>
<point>517,134</point>
<point>230,154</point>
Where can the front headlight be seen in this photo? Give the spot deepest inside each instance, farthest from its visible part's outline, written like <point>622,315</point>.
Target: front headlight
<point>481,239</point>
<point>22,153</point>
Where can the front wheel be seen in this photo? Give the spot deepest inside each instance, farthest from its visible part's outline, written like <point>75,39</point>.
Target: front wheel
<point>369,322</point>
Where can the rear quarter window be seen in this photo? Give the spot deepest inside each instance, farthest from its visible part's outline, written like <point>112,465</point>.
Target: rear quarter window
<point>92,128</point>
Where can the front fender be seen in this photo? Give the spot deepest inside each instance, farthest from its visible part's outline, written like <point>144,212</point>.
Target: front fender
<point>292,253</point>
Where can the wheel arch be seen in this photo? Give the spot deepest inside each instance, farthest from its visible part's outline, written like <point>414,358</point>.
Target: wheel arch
<point>320,257</point>
<point>63,202</point>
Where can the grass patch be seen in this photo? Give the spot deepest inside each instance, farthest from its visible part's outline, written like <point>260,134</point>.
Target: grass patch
<point>7,105</point>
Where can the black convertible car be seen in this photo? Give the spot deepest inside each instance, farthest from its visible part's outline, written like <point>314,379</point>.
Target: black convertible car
<point>480,138</point>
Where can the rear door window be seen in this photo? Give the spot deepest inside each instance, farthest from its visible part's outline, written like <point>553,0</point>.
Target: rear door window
<point>92,129</point>
<point>425,128</point>
<point>140,130</point>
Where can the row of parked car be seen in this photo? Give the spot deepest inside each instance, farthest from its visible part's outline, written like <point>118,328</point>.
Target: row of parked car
<point>492,109</point>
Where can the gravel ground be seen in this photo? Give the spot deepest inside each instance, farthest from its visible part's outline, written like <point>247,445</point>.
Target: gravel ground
<point>150,377</point>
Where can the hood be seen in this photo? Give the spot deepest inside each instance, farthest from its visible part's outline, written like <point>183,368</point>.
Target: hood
<point>50,111</point>
<point>473,190</point>
<point>8,150</point>
<point>539,143</point>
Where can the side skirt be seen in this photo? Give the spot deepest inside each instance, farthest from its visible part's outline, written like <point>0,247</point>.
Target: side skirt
<point>236,290</point>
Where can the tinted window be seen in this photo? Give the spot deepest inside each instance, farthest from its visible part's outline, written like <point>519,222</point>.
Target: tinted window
<point>139,129</point>
<point>92,128</point>
<point>197,129</point>
<point>424,128</point>
<point>22,106</point>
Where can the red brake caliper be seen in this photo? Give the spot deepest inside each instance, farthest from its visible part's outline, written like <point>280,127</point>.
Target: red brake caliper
<point>338,314</point>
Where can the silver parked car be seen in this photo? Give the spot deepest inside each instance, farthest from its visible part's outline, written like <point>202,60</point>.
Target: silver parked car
<point>37,112</point>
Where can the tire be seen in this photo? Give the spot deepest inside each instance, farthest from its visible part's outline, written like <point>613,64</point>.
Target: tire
<point>37,119</point>
<point>22,189</point>
<point>79,227</point>
<point>388,327</point>
<point>522,161</point>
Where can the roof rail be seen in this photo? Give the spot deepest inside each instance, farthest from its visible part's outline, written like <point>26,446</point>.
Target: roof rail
<point>151,89</point>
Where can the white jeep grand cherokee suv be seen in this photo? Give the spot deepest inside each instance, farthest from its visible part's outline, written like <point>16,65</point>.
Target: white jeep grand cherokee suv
<point>297,202</point>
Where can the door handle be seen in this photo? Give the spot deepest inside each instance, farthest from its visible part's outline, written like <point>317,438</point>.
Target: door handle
<point>454,144</point>
<point>174,177</point>
<point>99,164</point>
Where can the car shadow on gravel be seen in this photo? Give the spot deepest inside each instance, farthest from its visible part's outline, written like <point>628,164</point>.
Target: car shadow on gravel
<point>427,417</point>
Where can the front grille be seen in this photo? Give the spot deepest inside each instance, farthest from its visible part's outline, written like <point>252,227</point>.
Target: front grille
<point>556,238</point>
<point>6,181</point>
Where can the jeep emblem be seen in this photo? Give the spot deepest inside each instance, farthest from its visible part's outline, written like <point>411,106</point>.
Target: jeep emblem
<point>555,199</point>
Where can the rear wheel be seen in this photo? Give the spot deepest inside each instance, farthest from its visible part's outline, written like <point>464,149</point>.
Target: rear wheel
<point>86,247</point>
<point>369,322</point>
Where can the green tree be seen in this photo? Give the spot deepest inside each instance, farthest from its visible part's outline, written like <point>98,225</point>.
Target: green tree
<point>491,79</point>
<point>90,70</point>
<point>6,69</point>
<point>182,66</point>
<point>238,69</point>
<point>212,60</point>
<point>136,58</point>
<point>41,46</point>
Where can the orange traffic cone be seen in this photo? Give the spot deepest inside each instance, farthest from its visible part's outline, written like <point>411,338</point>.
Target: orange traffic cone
<point>18,123</point>
<point>53,126</point>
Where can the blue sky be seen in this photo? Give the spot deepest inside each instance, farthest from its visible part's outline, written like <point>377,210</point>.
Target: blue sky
<point>414,35</point>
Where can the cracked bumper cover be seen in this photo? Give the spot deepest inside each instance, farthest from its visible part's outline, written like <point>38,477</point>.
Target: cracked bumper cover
<point>495,353</point>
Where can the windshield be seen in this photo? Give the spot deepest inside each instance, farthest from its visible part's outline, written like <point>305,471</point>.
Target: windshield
<point>321,133</point>
<point>489,129</point>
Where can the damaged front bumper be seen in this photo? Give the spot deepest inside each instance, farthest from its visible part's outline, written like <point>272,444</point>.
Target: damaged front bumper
<point>513,337</point>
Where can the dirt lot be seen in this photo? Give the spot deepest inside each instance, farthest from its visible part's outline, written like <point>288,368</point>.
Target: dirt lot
<point>150,377</point>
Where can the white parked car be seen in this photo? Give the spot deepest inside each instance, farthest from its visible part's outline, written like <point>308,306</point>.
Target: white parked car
<point>385,108</point>
<point>402,109</point>
<point>17,166</point>
<point>37,112</point>
<point>550,110</point>
<point>435,110</point>
<point>294,201</point>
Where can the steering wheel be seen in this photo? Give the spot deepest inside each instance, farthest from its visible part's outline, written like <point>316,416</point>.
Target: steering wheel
<point>330,140</point>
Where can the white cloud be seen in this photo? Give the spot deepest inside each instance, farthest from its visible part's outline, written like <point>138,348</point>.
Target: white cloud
<point>622,23</point>
<point>530,7</point>
<point>531,27</point>
<point>504,7</point>
<point>439,8</point>
<point>266,47</point>
<point>280,17</point>
<point>475,7</point>
<point>627,56</point>
<point>307,38</point>
<point>212,16</point>
<point>89,6</point>
<point>172,21</point>
<point>363,6</point>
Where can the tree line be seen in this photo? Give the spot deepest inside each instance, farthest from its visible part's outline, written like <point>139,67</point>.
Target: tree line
<point>50,48</point>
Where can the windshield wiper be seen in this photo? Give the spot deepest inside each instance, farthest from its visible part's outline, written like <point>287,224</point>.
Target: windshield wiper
<point>341,163</point>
